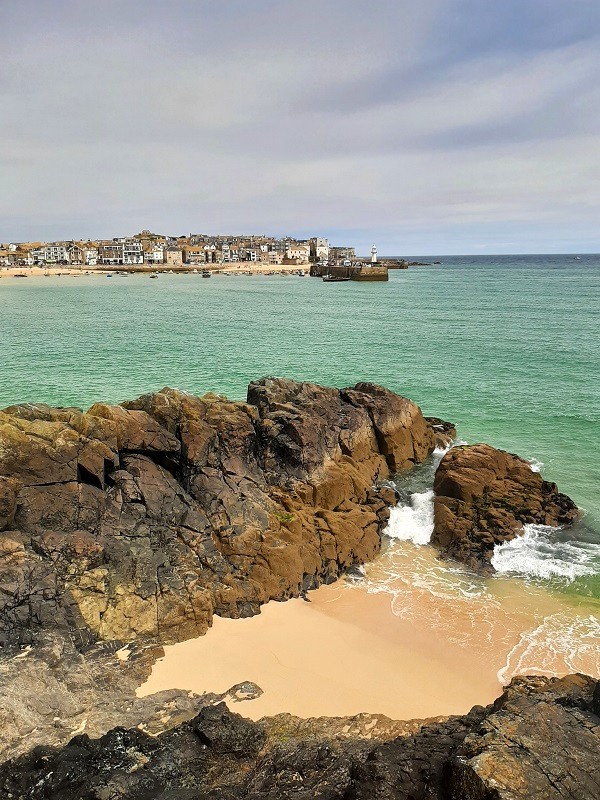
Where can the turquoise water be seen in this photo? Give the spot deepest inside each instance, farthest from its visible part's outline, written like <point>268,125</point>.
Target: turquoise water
<point>506,347</point>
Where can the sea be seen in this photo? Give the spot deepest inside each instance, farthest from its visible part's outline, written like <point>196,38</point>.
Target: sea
<point>506,347</point>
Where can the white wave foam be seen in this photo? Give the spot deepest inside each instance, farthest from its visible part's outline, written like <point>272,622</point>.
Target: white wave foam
<point>559,644</point>
<point>535,464</point>
<point>536,555</point>
<point>412,522</point>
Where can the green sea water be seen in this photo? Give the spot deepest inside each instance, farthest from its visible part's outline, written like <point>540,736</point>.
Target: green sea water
<point>508,348</point>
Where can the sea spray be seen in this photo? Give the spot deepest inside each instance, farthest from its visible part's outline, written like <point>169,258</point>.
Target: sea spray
<point>519,624</point>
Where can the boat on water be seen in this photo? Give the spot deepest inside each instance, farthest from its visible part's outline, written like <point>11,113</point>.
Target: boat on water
<point>335,279</point>
<point>206,273</point>
<point>154,275</point>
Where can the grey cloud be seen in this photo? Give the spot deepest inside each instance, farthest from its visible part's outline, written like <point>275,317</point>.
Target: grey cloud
<point>325,115</point>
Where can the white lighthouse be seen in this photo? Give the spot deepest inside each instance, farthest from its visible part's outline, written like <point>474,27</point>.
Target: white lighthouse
<point>373,255</point>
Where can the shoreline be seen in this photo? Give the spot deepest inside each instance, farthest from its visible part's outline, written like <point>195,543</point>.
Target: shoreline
<point>341,654</point>
<point>159,269</point>
<point>399,650</point>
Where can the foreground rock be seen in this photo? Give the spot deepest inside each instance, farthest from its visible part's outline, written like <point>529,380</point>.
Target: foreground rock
<point>52,692</point>
<point>145,519</point>
<point>541,739</point>
<point>484,497</point>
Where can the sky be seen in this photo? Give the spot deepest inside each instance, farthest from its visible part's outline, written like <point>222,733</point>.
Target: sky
<point>429,127</point>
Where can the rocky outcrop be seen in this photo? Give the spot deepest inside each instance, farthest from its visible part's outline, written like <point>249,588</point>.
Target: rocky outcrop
<point>52,692</point>
<point>145,519</point>
<point>541,739</point>
<point>484,497</point>
<point>444,432</point>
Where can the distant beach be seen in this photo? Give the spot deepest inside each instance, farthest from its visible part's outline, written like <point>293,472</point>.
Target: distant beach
<point>237,269</point>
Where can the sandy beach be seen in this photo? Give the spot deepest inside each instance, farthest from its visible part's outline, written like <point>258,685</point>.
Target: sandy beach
<point>243,268</point>
<point>43,272</point>
<point>337,655</point>
<point>405,652</point>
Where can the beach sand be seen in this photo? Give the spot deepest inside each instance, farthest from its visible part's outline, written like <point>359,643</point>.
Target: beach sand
<point>338,655</point>
<point>406,652</point>
<point>230,269</point>
<point>42,272</point>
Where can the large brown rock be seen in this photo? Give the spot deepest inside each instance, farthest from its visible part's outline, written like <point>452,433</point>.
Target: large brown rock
<point>484,496</point>
<point>147,518</point>
<point>403,434</point>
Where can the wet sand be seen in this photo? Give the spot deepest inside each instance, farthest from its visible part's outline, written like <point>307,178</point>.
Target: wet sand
<point>405,651</point>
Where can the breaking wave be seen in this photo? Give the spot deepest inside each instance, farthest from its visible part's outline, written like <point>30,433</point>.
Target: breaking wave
<point>540,553</point>
<point>412,522</point>
<point>518,626</point>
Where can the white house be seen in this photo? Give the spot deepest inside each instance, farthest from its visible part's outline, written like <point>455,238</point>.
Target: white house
<point>90,255</point>
<point>154,254</point>
<point>51,253</point>
<point>121,251</point>
<point>319,249</point>
<point>298,251</point>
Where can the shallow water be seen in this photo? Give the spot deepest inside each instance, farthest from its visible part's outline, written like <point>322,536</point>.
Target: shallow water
<point>506,347</point>
<point>524,619</point>
<point>512,626</point>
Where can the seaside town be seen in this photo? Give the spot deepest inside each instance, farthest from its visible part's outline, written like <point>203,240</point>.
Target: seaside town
<point>195,250</point>
<point>155,253</point>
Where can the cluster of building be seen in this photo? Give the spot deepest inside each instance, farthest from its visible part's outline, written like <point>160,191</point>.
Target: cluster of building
<point>193,250</point>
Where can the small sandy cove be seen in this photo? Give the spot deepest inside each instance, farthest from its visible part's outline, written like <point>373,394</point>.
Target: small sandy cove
<point>342,653</point>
